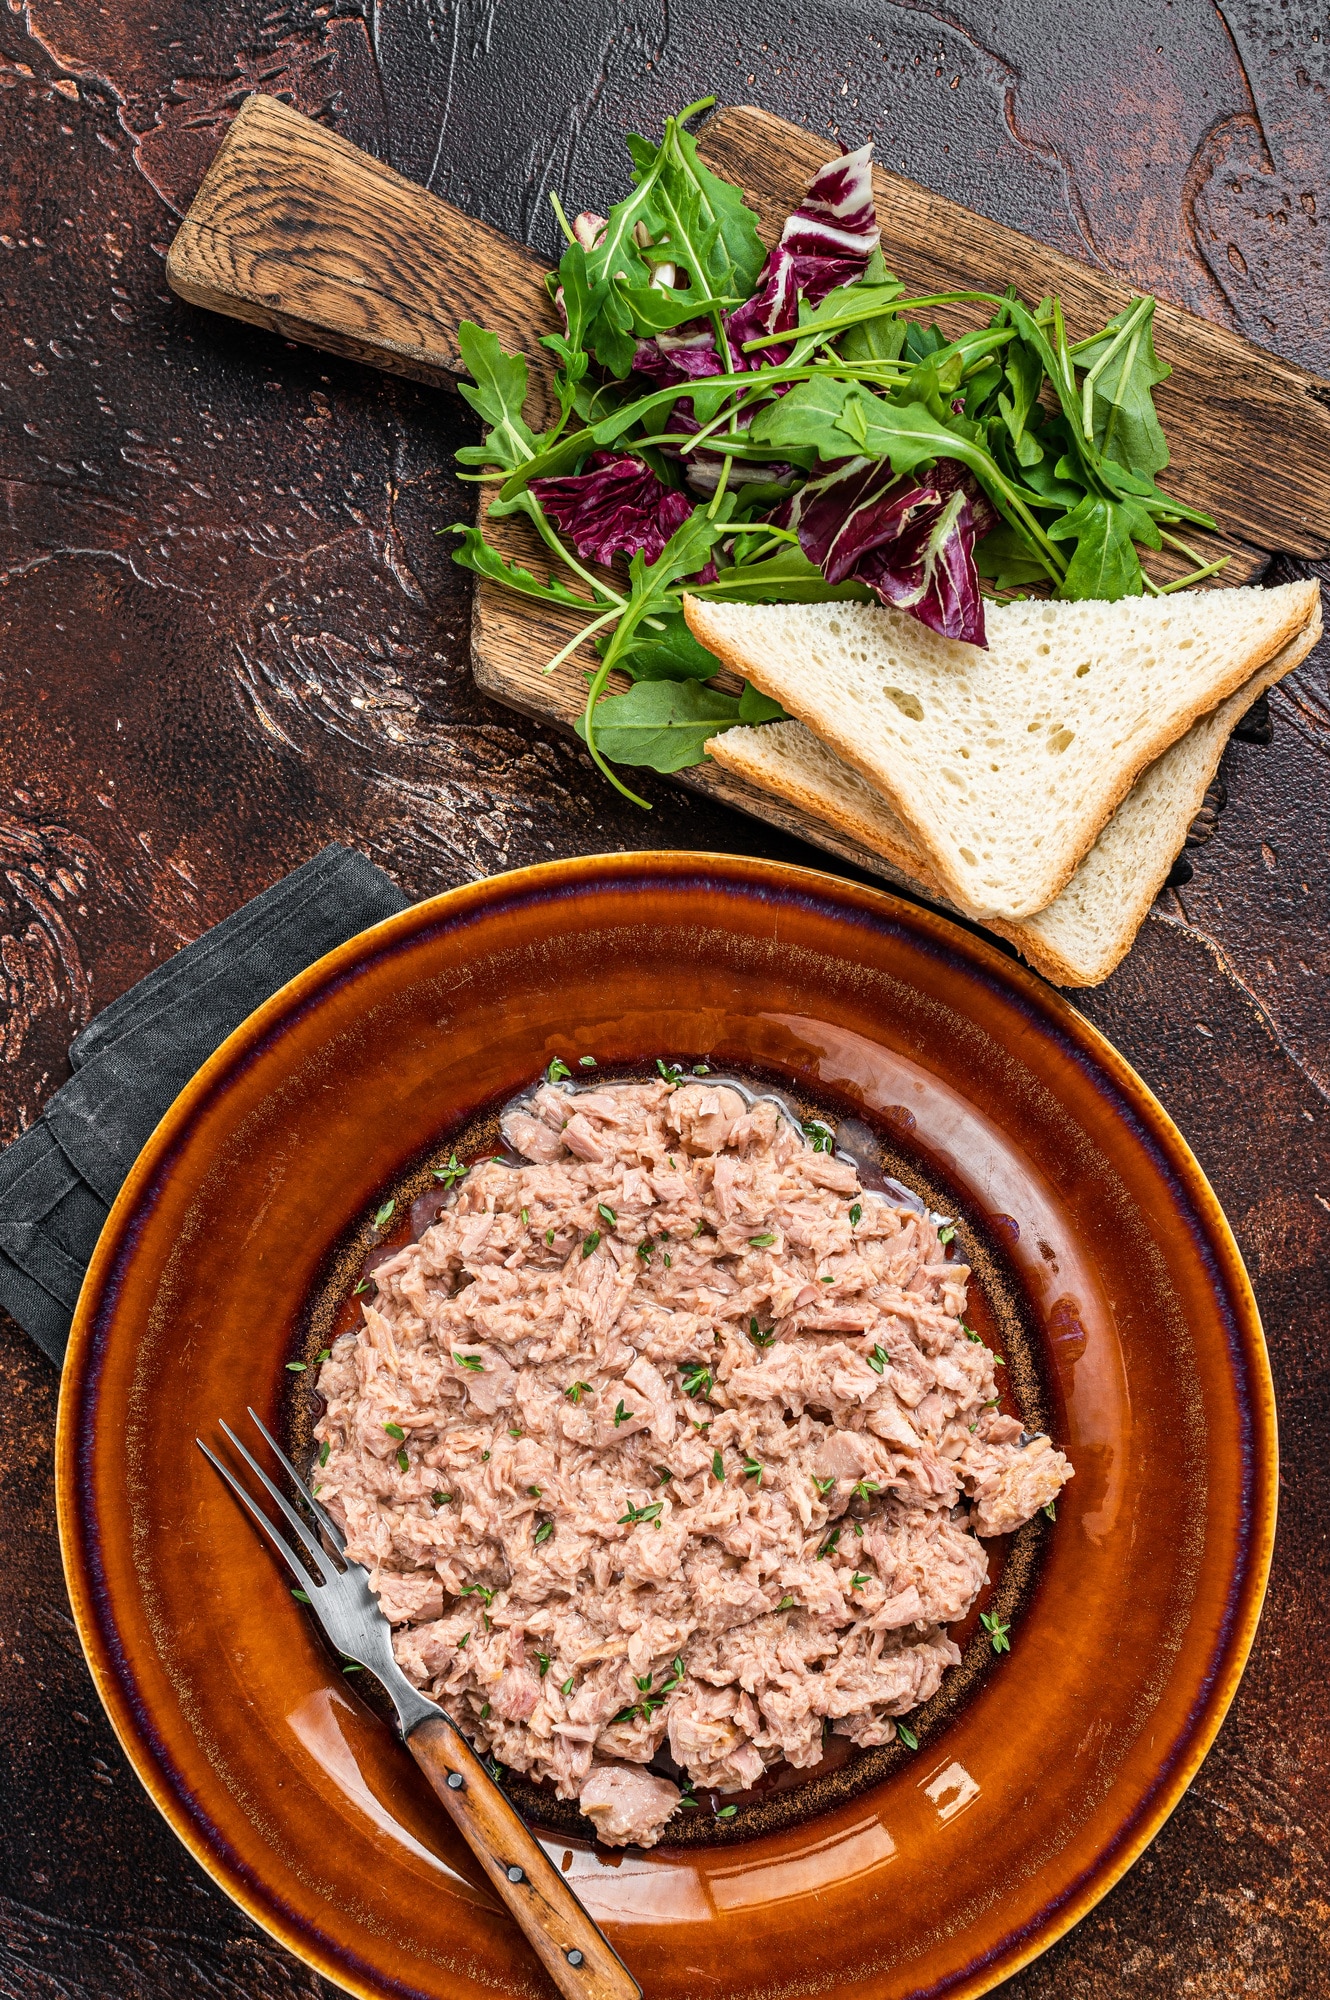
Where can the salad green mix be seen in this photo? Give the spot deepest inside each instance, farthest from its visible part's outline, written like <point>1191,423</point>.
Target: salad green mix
<point>781,427</point>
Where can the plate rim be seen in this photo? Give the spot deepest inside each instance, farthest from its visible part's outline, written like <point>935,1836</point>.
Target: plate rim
<point>1183,1756</point>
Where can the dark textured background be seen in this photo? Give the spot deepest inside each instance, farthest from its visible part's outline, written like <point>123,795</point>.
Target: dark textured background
<point>230,635</point>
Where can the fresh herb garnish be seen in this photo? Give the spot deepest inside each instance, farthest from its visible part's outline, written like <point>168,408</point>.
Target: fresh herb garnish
<point>557,1070</point>
<point>636,1514</point>
<point>865,1487</point>
<point>856,1214</point>
<point>824,1486</point>
<point>644,1249</point>
<point>621,1415</point>
<point>762,1242</point>
<point>664,1474</point>
<point>697,1380</point>
<point>403,1462</point>
<point>576,1390</point>
<point>439,1499</point>
<point>667,1260</point>
<point>590,1243</point>
<point>385,1214</point>
<point>587,1062</point>
<point>471,1362</point>
<point>727,1812</point>
<point>996,1630</point>
<point>858,1580</point>
<point>485,1713</point>
<point>395,1430</point>
<point>544,1663</point>
<point>567,1686</point>
<point>819,1135</point>
<point>364,1286</point>
<point>535,1491</point>
<point>526,1217</point>
<point>785,1602</point>
<point>606,1213</point>
<point>300,1596</point>
<point>946,1232</point>
<point>701,1069</point>
<point>829,1544</point>
<point>477,1590</point>
<point>324,1450</point>
<point>1051,1509</point>
<point>878,1359</point>
<point>753,1468</point>
<point>756,1335</point>
<point>717,1465</point>
<point>907,1736</point>
<point>296,1367</point>
<point>325,1354</point>
<point>462,1641</point>
<point>549,1239</point>
<point>452,1173</point>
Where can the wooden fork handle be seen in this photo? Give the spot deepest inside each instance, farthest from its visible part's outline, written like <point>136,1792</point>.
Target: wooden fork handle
<point>572,1948</point>
<point>297,230</point>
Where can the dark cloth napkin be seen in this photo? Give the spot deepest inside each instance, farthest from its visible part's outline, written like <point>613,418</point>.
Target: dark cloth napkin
<point>57,1182</point>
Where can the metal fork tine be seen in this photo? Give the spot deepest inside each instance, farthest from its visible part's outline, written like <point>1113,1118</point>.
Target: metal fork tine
<point>324,1519</point>
<point>327,1570</point>
<point>297,1569</point>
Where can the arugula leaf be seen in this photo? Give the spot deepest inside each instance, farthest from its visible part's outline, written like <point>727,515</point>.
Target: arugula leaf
<point>667,655</point>
<point>808,416</point>
<point>498,396</point>
<point>581,302</point>
<point>1003,556</point>
<point>735,222</point>
<point>476,554</point>
<point>1105,563</point>
<point>754,706</point>
<point>659,308</point>
<point>1122,369</point>
<point>662,724</point>
<point>879,339</point>
<point>785,578</point>
<point>1024,372</point>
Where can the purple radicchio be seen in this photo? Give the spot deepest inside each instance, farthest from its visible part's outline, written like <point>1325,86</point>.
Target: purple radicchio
<point>615,506</point>
<point>826,242</point>
<point>910,541</point>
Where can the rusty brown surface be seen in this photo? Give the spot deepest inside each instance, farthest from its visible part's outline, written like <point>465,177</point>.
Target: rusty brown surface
<point>230,634</point>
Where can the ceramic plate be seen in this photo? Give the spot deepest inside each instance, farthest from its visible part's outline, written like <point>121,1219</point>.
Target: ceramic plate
<point>1100,1252</point>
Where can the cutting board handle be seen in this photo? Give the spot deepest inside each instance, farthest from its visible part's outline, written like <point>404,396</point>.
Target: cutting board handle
<point>296,230</point>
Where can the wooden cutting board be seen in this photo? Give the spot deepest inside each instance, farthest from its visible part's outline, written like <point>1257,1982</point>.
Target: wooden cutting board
<point>296,230</point>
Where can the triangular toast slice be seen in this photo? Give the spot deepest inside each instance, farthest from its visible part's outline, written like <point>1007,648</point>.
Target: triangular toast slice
<point>1086,930</point>
<point>1004,764</point>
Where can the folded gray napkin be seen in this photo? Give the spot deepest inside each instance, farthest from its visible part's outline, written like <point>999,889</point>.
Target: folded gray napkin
<point>57,1181</point>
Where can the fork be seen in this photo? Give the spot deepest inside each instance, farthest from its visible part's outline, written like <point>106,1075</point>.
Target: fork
<point>570,1945</point>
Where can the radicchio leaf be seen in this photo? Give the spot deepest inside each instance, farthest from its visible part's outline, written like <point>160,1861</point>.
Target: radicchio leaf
<point>615,506</point>
<point>911,541</point>
<point>826,242</point>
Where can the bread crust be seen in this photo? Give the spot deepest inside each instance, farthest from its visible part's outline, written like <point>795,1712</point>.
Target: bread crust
<point>1303,613</point>
<point>876,832</point>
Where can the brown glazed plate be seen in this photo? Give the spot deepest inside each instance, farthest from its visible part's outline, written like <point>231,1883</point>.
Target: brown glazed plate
<point>1100,1254</point>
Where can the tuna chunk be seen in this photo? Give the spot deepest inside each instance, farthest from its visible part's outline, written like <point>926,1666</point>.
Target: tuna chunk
<point>646,1441</point>
<point>628,1804</point>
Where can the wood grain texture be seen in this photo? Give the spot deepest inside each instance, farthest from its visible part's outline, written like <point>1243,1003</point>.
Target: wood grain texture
<point>296,230</point>
<point>543,1904</point>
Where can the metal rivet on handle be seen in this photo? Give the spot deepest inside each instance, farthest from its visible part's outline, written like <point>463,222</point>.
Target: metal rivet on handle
<point>456,1782</point>
<point>574,1956</point>
<point>515,1874</point>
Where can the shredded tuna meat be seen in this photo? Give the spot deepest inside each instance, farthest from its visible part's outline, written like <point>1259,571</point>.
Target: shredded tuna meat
<point>673,1438</point>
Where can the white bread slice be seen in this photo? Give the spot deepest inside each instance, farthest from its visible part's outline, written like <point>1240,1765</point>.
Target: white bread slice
<point>1004,764</point>
<point>1086,930</point>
